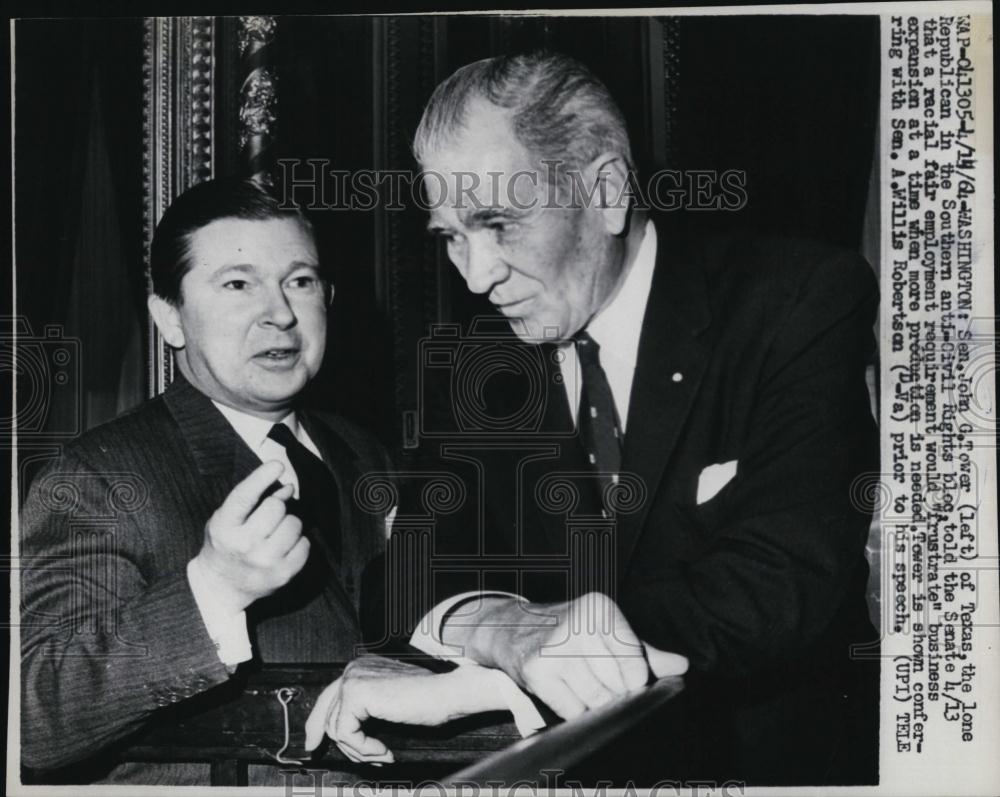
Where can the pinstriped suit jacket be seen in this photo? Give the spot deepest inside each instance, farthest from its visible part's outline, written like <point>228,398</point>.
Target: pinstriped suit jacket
<point>111,634</point>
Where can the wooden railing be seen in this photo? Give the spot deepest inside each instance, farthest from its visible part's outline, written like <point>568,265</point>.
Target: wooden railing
<point>563,746</point>
<point>247,726</point>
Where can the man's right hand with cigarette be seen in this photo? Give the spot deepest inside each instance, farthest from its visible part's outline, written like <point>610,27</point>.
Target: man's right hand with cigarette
<point>253,547</point>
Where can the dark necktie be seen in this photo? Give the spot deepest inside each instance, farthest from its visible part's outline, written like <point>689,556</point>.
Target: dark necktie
<point>291,624</point>
<point>317,506</point>
<point>600,431</point>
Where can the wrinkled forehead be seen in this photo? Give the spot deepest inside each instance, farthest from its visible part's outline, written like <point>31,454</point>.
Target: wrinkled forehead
<point>507,185</point>
<point>481,162</point>
<point>465,194</point>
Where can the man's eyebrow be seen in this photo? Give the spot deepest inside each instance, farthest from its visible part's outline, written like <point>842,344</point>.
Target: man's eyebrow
<point>249,268</point>
<point>478,217</point>
<point>482,216</point>
<point>241,268</point>
<point>303,264</point>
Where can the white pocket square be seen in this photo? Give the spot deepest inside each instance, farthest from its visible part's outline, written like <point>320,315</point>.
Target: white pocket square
<point>714,478</point>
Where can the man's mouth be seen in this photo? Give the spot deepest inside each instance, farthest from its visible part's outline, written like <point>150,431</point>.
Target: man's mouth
<point>278,355</point>
<point>511,308</point>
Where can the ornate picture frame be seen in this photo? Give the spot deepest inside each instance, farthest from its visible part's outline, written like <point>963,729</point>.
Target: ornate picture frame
<point>179,132</point>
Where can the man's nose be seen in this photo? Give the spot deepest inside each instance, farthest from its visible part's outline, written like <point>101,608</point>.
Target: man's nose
<point>484,266</point>
<point>277,310</point>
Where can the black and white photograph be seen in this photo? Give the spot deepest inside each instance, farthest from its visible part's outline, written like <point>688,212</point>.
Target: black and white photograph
<point>501,401</point>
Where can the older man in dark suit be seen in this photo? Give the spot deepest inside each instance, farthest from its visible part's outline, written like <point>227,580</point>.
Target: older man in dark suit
<point>706,405</point>
<point>213,525</point>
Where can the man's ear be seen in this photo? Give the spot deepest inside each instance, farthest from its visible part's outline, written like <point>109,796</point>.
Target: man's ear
<point>167,319</point>
<point>613,195</point>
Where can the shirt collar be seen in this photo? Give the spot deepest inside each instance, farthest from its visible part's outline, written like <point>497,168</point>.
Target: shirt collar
<point>252,429</point>
<point>617,327</point>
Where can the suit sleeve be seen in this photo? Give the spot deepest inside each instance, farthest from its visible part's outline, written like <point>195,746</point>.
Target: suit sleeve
<point>787,551</point>
<point>106,641</point>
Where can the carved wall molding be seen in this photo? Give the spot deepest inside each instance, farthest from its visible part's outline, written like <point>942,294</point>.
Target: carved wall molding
<point>671,51</point>
<point>179,136</point>
<point>408,63</point>
<point>662,73</point>
<point>258,95</point>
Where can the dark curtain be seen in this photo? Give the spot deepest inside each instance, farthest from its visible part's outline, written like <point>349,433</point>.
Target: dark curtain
<point>77,198</point>
<point>325,114</point>
<point>792,102</point>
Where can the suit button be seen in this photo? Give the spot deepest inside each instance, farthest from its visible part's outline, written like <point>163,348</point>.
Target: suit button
<point>678,376</point>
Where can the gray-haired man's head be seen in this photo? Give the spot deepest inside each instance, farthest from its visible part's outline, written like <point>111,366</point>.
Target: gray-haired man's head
<point>526,165</point>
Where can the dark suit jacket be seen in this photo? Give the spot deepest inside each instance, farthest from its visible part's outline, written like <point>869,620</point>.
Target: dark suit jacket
<point>111,634</point>
<point>751,350</point>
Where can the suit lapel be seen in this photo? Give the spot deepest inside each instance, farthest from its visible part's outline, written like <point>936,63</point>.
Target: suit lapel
<point>673,355</point>
<point>223,459</point>
<point>219,452</point>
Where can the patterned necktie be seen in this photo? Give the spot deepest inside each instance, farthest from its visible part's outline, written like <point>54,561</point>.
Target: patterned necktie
<point>600,430</point>
<point>317,506</point>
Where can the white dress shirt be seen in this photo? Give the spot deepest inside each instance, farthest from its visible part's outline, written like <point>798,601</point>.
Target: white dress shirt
<point>616,329</point>
<point>229,630</point>
<point>254,431</point>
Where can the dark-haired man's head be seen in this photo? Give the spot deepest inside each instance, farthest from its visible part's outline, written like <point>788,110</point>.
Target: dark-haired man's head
<point>238,294</point>
<point>199,206</point>
<point>527,164</point>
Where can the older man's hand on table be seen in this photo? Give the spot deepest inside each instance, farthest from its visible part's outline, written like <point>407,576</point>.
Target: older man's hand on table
<point>395,691</point>
<point>573,656</point>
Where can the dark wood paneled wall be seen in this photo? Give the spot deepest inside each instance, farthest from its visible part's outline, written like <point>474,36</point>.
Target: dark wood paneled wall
<point>772,96</point>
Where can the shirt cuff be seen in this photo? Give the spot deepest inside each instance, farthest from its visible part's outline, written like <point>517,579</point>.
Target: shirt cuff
<point>427,638</point>
<point>227,629</point>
